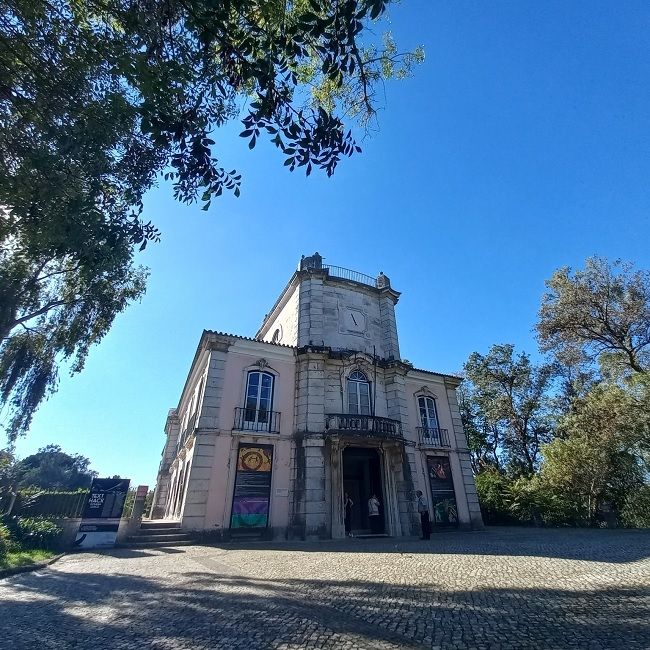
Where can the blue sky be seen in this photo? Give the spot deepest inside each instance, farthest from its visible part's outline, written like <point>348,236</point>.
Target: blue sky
<point>521,145</point>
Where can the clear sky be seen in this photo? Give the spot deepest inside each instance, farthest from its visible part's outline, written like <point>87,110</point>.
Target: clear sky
<point>522,144</point>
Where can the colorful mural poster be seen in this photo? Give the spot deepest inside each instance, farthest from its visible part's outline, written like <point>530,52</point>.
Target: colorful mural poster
<point>443,496</point>
<point>101,517</point>
<point>252,494</point>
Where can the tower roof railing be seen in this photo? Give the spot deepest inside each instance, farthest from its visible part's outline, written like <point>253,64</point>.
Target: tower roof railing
<point>349,274</point>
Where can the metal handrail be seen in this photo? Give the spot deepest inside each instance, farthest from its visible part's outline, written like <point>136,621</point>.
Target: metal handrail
<point>433,437</point>
<point>348,274</point>
<point>247,419</point>
<point>368,424</point>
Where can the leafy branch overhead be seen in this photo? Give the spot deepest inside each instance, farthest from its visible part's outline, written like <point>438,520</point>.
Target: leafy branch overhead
<point>101,98</point>
<point>144,84</point>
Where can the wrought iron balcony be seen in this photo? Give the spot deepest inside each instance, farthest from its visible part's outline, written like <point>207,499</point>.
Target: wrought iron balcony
<point>256,420</point>
<point>433,437</point>
<point>369,425</point>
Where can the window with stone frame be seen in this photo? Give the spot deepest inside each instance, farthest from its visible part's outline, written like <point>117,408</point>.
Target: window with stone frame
<point>358,394</point>
<point>428,414</point>
<point>259,399</point>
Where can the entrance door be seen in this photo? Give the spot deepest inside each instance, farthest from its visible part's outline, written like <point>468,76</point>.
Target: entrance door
<point>362,479</point>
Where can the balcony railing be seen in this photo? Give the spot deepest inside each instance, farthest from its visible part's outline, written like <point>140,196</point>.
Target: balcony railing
<point>256,420</point>
<point>433,437</point>
<point>364,424</point>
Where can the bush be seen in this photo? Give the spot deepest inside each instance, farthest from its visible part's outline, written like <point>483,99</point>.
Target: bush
<point>636,509</point>
<point>37,532</point>
<point>491,486</point>
<point>5,541</point>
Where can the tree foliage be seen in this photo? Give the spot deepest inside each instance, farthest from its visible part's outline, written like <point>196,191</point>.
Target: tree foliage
<point>55,308</point>
<point>100,98</point>
<point>51,468</point>
<point>509,394</point>
<point>601,313</point>
<point>594,466</point>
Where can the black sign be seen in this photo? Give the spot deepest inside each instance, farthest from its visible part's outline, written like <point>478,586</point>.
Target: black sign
<point>106,498</point>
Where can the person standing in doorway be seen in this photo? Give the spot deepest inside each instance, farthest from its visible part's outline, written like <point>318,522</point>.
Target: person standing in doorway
<point>373,514</point>
<point>347,510</point>
<point>423,509</point>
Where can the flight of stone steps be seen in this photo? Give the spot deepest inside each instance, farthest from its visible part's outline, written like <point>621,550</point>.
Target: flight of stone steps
<point>159,533</point>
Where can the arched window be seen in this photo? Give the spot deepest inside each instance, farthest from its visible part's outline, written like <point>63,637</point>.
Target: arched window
<point>358,394</point>
<point>428,413</point>
<point>259,400</point>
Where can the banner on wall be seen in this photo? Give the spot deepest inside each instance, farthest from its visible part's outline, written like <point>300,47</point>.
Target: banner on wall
<point>252,494</point>
<point>443,496</point>
<point>101,517</point>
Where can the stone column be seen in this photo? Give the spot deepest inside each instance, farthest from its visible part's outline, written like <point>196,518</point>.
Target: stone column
<point>460,439</point>
<point>316,510</point>
<point>336,489</point>
<point>311,508</point>
<point>394,378</point>
<point>391,458</point>
<point>310,308</point>
<point>390,342</point>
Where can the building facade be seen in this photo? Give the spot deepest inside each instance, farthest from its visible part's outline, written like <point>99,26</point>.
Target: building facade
<point>272,432</point>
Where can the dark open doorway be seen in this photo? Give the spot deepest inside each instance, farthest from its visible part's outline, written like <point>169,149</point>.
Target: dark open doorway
<point>362,479</point>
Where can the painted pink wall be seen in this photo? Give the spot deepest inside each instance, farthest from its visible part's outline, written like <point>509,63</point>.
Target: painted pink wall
<point>412,386</point>
<point>238,362</point>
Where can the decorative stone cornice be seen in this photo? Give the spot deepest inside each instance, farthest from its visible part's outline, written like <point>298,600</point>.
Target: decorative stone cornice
<point>388,292</point>
<point>452,382</point>
<point>217,345</point>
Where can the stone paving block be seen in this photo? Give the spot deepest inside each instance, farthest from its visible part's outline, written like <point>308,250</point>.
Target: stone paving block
<point>501,589</point>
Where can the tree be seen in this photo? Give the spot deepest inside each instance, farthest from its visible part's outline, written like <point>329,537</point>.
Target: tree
<point>602,456</point>
<point>511,394</point>
<point>7,479</point>
<point>483,434</point>
<point>53,309</point>
<point>51,467</point>
<point>601,313</point>
<point>99,98</point>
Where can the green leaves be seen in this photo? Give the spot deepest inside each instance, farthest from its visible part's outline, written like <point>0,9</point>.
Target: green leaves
<point>99,100</point>
<point>600,313</point>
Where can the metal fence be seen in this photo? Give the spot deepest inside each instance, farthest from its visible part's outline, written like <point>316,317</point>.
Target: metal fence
<point>59,505</point>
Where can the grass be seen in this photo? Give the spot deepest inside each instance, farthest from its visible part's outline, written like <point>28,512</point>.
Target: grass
<point>20,558</point>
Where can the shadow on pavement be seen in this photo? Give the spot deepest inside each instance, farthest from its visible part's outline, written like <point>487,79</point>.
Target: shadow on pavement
<point>212,609</point>
<point>594,545</point>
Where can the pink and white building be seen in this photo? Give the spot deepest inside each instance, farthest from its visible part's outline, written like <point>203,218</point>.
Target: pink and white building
<point>271,432</point>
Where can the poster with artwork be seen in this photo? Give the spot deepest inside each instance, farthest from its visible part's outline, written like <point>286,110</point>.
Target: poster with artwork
<point>443,497</point>
<point>252,494</point>
<point>102,514</point>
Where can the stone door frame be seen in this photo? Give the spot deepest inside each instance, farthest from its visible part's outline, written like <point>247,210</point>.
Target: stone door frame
<point>390,461</point>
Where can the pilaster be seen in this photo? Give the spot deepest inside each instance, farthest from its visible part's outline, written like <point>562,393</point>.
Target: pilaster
<point>210,406</point>
<point>310,308</point>
<point>198,482</point>
<point>390,341</point>
<point>460,439</point>
<point>163,479</point>
<point>395,379</point>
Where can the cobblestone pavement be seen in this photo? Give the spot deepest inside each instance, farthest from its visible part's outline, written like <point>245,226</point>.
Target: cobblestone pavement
<point>499,589</point>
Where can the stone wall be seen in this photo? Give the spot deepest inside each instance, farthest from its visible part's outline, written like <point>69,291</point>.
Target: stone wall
<point>286,320</point>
